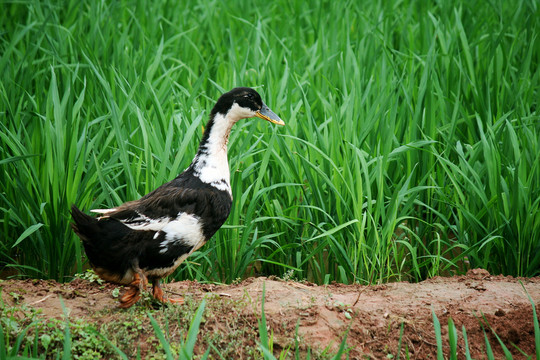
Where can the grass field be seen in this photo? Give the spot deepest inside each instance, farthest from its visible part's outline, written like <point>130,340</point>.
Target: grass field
<point>412,145</point>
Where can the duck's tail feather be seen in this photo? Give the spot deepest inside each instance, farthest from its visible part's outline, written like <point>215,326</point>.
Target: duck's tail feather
<point>83,224</point>
<point>104,240</point>
<point>90,228</point>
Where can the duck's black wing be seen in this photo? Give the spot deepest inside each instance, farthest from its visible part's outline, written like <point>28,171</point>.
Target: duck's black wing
<point>185,195</point>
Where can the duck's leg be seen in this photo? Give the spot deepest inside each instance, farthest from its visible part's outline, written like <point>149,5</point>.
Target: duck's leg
<point>133,293</point>
<point>158,294</point>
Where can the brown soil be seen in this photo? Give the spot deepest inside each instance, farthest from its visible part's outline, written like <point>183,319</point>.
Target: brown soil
<point>370,315</point>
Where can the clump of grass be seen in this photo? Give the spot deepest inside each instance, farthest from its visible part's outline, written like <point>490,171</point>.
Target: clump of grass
<point>23,332</point>
<point>266,341</point>
<point>90,276</point>
<point>187,346</point>
<point>411,146</point>
<point>453,337</point>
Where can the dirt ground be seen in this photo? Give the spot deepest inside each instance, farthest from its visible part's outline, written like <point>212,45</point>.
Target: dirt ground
<point>370,315</point>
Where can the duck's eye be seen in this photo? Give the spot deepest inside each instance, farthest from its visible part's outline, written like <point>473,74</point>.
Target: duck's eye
<point>249,96</point>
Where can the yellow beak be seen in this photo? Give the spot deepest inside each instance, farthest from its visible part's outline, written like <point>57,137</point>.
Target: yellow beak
<point>268,115</point>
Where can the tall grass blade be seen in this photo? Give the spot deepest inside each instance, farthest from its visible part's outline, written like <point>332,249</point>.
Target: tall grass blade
<point>27,233</point>
<point>19,341</point>
<point>187,346</point>
<point>452,339</point>
<point>489,351</point>
<point>438,335</point>
<point>118,351</point>
<point>506,352</point>
<point>342,347</point>
<point>191,338</point>
<point>161,338</point>
<point>265,345</point>
<point>3,348</point>
<point>66,353</point>
<point>466,340</point>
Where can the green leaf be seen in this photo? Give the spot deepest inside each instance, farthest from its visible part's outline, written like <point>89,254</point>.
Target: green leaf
<point>26,233</point>
<point>438,336</point>
<point>191,339</point>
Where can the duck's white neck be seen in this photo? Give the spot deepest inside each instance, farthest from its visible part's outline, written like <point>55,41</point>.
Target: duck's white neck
<point>211,164</point>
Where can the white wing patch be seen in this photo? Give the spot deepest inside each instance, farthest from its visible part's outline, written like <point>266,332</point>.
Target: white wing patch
<point>186,228</point>
<point>143,222</point>
<point>103,211</point>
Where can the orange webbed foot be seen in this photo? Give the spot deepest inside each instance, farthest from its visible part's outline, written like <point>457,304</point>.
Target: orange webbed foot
<point>133,293</point>
<point>130,297</point>
<point>158,294</point>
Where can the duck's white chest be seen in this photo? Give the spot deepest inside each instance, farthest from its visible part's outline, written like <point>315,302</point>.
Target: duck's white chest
<point>214,170</point>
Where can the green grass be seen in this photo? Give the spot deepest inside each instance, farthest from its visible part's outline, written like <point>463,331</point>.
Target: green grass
<point>411,147</point>
<point>453,338</point>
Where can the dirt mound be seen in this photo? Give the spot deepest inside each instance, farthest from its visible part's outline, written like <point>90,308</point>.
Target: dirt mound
<point>371,316</point>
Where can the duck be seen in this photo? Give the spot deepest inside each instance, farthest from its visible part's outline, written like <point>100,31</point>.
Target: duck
<point>147,239</point>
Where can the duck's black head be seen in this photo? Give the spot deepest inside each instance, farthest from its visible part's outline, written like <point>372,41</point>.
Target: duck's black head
<point>244,102</point>
<point>210,164</point>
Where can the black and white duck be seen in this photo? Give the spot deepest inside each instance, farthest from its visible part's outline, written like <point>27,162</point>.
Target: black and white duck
<point>147,239</point>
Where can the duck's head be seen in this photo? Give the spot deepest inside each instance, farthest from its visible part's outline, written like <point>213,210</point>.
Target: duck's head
<point>244,102</point>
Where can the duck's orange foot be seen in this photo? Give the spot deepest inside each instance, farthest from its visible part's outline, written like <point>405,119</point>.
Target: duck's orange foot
<point>158,294</point>
<point>133,293</point>
<point>130,297</point>
<point>176,301</point>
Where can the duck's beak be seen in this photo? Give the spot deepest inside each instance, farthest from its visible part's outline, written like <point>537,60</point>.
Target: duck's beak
<point>268,115</point>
